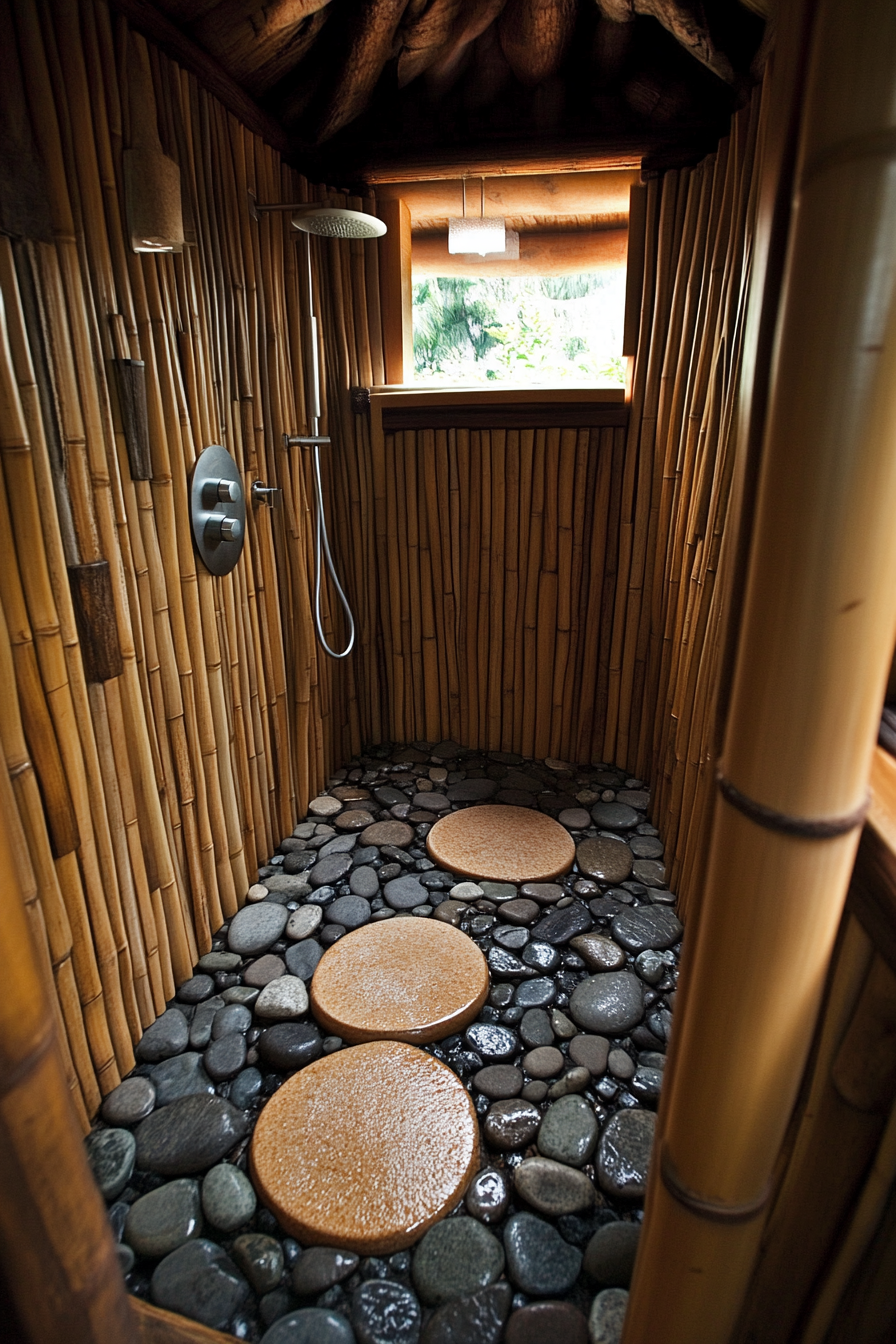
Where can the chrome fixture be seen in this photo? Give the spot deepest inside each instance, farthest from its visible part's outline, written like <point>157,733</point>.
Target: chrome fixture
<point>262,494</point>
<point>217,509</point>
<point>326,221</point>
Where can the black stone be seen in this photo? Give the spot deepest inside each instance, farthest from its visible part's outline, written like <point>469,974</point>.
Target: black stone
<point>539,1261</point>
<point>535,994</point>
<point>189,1135</point>
<point>560,926</point>
<point>490,1041</point>
<point>385,1313</point>
<point>195,990</point>
<point>504,965</point>
<point>225,1057</point>
<point>479,1317</point>
<point>302,958</point>
<point>290,1045</point>
<point>200,1280</point>
<point>646,926</point>
<point>541,956</point>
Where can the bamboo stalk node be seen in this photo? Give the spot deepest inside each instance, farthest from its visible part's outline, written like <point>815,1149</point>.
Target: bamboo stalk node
<point>709,1209</point>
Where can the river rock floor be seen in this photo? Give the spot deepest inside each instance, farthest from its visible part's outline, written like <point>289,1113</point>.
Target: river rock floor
<point>564,1065</point>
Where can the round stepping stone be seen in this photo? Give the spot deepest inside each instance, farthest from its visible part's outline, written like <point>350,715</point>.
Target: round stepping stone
<point>503,844</point>
<point>366,1148</point>
<point>396,833</point>
<point>401,980</point>
<point>605,859</point>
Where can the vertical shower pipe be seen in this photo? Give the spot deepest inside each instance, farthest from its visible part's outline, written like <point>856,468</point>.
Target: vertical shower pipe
<point>816,640</point>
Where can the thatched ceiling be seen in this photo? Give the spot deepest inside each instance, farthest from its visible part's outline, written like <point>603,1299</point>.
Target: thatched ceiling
<point>365,86</point>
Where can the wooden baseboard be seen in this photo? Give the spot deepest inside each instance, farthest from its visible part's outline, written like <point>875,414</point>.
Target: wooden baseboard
<point>156,1326</point>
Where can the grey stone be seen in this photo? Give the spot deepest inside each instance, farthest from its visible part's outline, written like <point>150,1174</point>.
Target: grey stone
<point>513,939</point>
<point>498,891</point>
<point>575,1080</point>
<point>552,1187</point>
<point>539,1261</point>
<point>310,1325</point>
<point>244,995</point>
<point>535,1028</point>
<point>511,1124</point>
<point>610,1254</point>
<point>245,1088</point>
<point>200,1280</point>
<point>181,1076</point>
<point>283,999</point>
<point>260,1258</point>
<point>302,959</point>
<point>164,1219</point>
<point>404,893</point>
<point>568,1132</point>
<point>541,956</point>
<point>646,1085</point>
<point>287,888</point>
<point>519,911</point>
<point>232,1017</point>
<point>290,1045</point>
<point>349,911</point>
<point>650,966</point>
<point>340,844</point>
<point>492,1041</point>
<point>503,964</point>
<point>318,1268</point>
<point>167,1036</point>
<point>219,961</point>
<point>621,1065</point>
<point>560,926</point>
<point>329,871</point>
<point>385,1313</point>
<point>389,796</point>
<point>188,1135</point>
<point>479,1317</point>
<point>649,871</point>
<point>547,1323</point>
<point>201,1026</point>
<point>364,881</point>
<point>609,1004</point>
<point>598,952</point>
<point>225,1057</point>
<point>472,790</point>
<point>535,993</point>
<point>544,1062</point>
<point>304,922</point>
<point>254,928</point>
<point>110,1153</point>
<point>646,846</point>
<point>455,1258</point>
<point>623,1154</point>
<point>228,1199</point>
<point>196,989</point>
<point>263,971</point>
<point>545,893</point>
<point>615,816</point>
<point>646,926</point>
<point>607,1316</point>
<point>499,1082</point>
<point>488,1195</point>
<point>431,802</point>
<point>605,859</point>
<point>637,798</point>
<point>130,1102</point>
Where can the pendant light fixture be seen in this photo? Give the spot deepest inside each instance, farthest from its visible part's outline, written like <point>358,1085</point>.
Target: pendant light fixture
<point>476,235</point>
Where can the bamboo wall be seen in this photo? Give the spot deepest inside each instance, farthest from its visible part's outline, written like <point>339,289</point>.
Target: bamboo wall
<point>143,803</point>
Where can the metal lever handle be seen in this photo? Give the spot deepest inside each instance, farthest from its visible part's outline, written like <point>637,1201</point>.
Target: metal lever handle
<point>266,494</point>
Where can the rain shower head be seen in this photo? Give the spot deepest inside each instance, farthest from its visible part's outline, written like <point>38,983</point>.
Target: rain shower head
<point>327,221</point>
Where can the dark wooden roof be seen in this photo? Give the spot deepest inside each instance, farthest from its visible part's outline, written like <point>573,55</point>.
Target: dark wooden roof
<point>364,86</point>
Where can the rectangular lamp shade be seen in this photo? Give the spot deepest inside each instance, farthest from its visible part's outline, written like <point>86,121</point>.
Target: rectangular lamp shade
<point>476,235</point>
<point>511,250</point>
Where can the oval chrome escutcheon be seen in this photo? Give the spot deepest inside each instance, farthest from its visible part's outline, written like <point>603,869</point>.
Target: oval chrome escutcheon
<point>217,509</point>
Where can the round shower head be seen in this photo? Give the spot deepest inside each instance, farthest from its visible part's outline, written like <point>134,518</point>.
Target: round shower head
<point>329,222</point>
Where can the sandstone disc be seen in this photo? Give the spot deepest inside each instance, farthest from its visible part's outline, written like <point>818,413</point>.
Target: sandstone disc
<point>365,1149</point>
<point>501,844</point>
<point>402,979</point>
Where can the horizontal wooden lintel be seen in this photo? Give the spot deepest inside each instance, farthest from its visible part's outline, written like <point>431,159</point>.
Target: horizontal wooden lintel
<point>507,415</point>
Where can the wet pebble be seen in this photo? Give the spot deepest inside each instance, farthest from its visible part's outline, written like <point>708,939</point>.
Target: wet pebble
<point>499,1082</point>
<point>290,1045</point>
<point>225,1057</point>
<point>535,1028</point>
<point>539,1261</point>
<point>228,1199</point>
<point>245,1088</point>
<point>488,1195</point>
<point>561,925</point>
<point>167,1036</point>
<point>547,1323</point>
<point>491,1041</point>
<point>130,1102</point>
<point>188,1136</point>
<point>568,1131</point>
<point>200,1280</point>
<point>605,859</point>
<point>479,1317</point>
<point>511,1124</point>
<point>385,1313</point>
<point>302,959</point>
<point>111,1154</point>
<point>611,1003</point>
<point>598,952</point>
<point>283,999</point>
<point>404,893</point>
<point>304,922</point>
<point>310,1325</point>
<point>196,989</point>
<point>455,1258</point>
<point>553,1187</point>
<point>646,926</point>
<point>544,1062</point>
<point>607,1316</point>
<point>541,956</point>
<point>320,1267</point>
<point>164,1219</point>
<point>623,1155</point>
<point>260,1258</point>
<point>182,1076</point>
<point>254,928</point>
<point>610,1254</point>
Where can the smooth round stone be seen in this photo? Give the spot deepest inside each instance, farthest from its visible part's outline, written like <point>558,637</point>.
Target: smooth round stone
<point>324,806</point>
<point>310,1325</point>
<point>637,798</point>
<point>405,893</point>
<point>457,1257</point>
<point>536,1091</point>
<point>318,1268</point>
<point>448,912</point>
<point>615,816</point>
<point>302,958</point>
<point>340,844</point>
<point>575,818</point>
<point>282,1000</point>
<point>189,1135</point>
<point>503,965</point>
<point>364,881</point>
<point>232,1017</point>
<point>327,872</point>
<point>560,926</point>
<point>380,1139</point>
<point>541,956</point>
<point>623,1155</point>
<point>387,796</point>
<point>167,1036</point>
<point>397,833</point>
<point>203,1021</point>
<point>519,912</point>
<point>200,1280</point>
<point>297,864</point>
<point>181,1076</point>
<point>544,893</point>
<point>350,911</point>
<point>404,980</point>
<point>472,790</point>
<point>591,1053</point>
<point>646,1085</point>
<point>646,846</point>
<point>621,1065</point>
<point>164,1219</point>
<point>355,819</point>
<point>607,1316</point>
<point>260,1258</point>
<point>561,1025</point>
<point>649,871</point>
<point>256,893</point>
<point>290,1045</point>
<point>535,993</point>
<point>431,802</point>
<point>568,1132</point>
<point>535,1028</point>
<point>604,859</point>
<point>350,793</point>
<point>500,843</point>
<point>511,1124</point>
<point>385,1313</point>
<point>283,888</point>
<point>196,989</point>
<point>547,1323</point>
<point>245,1088</point>
<point>598,952</point>
<point>243,995</point>
<point>479,1317</point>
<point>498,891</point>
<point>552,1187</point>
<point>219,961</point>
<point>225,1057</point>
<point>499,1082</point>
<point>539,1261</point>
<point>608,1004</point>
<point>576,1080</point>
<point>512,938</point>
<point>492,1041</point>
<point>488,1195</point>
<point>610,1254</point>
<point>263,971</point>
<point>466,891</point>
<point>650,966</point>
<point>129,1103</point>
<point>303,922</point>
<point>110,1153</point>
<point>228,1199</point>
<point>254,928</point>
<point>646,927</point>
<point>544,1062</point>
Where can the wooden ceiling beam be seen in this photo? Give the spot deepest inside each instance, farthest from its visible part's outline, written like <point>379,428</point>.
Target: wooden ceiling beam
<point>503,160</point>
<point>535,36</point>
<point>540,254</point>
<point>372,27</point>
<point>425,38</point>
<point>259,43</point>
<point>544,195</point>
<point>685,20</point>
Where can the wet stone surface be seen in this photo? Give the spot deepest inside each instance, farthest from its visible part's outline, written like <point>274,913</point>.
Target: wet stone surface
<point>564,1066</point>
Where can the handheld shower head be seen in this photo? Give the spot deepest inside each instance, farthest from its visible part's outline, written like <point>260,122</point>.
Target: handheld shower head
<point>330,222</point>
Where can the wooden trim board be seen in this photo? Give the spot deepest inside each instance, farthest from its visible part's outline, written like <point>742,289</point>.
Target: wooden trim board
<point>155,1326</point>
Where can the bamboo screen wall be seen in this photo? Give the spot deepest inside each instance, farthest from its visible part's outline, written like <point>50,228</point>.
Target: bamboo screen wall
<point>143,803</point>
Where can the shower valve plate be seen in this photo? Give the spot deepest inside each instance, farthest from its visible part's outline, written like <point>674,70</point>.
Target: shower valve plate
<point>212,518</point>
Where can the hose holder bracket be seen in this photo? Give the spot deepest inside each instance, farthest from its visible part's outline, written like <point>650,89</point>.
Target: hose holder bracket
<point>306,440</point>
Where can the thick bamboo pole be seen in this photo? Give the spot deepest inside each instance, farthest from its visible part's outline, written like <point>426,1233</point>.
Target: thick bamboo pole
<point>814,653</point>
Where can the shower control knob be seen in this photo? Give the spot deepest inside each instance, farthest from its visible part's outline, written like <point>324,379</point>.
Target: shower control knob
<point>223,529</point>
<point>221,492</point>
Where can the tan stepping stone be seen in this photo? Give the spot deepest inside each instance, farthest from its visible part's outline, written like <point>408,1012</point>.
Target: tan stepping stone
<point>366,1148</point>
<point>324,806</point>
<point>403,980</point>
<point>396,833</point>
<point>503,844</point>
